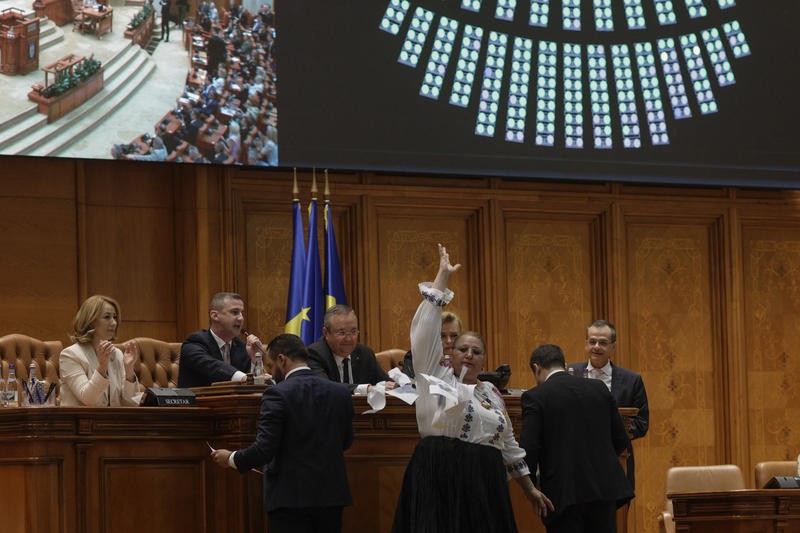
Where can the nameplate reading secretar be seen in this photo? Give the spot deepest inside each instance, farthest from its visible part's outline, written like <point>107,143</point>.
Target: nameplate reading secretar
<point>165,397</point>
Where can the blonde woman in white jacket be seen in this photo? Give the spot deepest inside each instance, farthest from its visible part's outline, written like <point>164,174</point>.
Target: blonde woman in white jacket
<point>93,372</point>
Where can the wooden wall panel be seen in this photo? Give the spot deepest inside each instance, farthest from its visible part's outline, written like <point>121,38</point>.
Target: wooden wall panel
<point>130,246</point>
<point>670,343</point>
<point>269,257</point>
<point>405,247</point>
<point>771,255</point>
<point>39,476</point>
<point>174,488</point>
<point>39,249</point>
<point>548,284</point>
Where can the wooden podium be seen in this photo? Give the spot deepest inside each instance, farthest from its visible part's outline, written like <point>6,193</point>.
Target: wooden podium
<point>59,11</point>
<point>19,42</point>
<point>136,469</point>
<point>737,511</point>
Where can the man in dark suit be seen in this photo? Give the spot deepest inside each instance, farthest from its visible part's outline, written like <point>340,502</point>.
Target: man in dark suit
<point>305,425</point>
<point>215,52</point>
<point>166,6</point>
<point>572,431</point>
<point>338,355</point>
<point>626,386</point>
<point>217,353</point>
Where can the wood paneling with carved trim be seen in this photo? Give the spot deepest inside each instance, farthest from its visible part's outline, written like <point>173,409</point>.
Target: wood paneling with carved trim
<point>548,286</point>
<point>771,267</point>
<point>670,344</point>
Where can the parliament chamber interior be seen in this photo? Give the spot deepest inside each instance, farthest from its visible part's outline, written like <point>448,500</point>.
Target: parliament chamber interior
<point>634,161</point>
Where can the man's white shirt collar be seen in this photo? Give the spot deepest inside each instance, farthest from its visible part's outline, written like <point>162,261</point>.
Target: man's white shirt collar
<point>292,371</point>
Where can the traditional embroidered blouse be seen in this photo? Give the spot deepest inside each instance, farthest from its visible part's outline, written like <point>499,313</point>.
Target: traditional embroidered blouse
<point>447,407</point>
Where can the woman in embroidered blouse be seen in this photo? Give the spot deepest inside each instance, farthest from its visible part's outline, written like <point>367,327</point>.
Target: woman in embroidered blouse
<point>94,372</point>
<point>456,480</point>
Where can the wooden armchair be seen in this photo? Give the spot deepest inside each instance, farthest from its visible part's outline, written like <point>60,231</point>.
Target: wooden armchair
<point>697,479</point>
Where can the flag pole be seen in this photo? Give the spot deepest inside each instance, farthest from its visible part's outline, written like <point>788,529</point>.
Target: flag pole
<point>314,184</point>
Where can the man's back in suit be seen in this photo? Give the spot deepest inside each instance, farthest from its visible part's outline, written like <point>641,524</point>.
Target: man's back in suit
<point>627,389</point>
<point>572,431</point>
<point>304,427</point>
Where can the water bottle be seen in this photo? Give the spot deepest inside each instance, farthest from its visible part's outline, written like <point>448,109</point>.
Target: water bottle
<point>258,370</point>
<point>32,372</point>
<point>11,398</point>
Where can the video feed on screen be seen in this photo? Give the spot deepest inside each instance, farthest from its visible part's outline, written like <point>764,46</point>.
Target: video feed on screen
<point>189,81</point>
<point>665,90</point>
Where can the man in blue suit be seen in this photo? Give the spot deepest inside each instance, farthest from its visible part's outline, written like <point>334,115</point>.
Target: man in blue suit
<point>626,386</point>
<point>305,425</point>
<point>217,353</point>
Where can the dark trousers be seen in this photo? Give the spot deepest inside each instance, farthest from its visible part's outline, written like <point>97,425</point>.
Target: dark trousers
<point>592,517</point>
<point>306,520</point>
<point>165,27</point>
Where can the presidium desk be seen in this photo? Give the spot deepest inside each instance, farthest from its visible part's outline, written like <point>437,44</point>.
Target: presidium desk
<point>147,469</point>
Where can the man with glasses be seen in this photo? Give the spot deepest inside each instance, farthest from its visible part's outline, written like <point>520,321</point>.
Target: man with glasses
<point>626,386</point>
<point>338,355</point>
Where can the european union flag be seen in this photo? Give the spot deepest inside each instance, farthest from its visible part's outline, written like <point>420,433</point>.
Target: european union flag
<point>334,284</point>
<point>295,313</point>
<point>311,330</point>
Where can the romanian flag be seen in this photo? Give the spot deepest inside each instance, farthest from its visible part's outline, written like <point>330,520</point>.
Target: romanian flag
<point>295,313</point>
<point>334,284</point>
<point>313,301</point>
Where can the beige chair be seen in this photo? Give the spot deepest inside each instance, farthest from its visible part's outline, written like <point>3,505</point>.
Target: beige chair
<point>158,362</point>
<point>390,359</point>
<point>769,469</point>
<point>697,479</point>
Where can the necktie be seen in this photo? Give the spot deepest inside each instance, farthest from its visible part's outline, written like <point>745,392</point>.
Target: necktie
<point>346,370</point>
<point>226,352</point>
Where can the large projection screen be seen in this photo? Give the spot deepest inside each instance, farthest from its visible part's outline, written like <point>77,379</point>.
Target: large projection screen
<point>386,85</point>
<point>672,91</point>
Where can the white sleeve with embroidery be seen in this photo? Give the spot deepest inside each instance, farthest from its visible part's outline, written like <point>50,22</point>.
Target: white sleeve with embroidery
<point>426,331</point>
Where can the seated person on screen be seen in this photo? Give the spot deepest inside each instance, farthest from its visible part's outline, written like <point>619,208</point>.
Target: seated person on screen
<point>218,354</point>
<point>338,355</point>
<point>93,372</point>
<point>158,152</point>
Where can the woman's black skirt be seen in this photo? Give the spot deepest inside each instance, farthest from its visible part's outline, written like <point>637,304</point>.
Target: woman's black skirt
<point>452,486</point>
